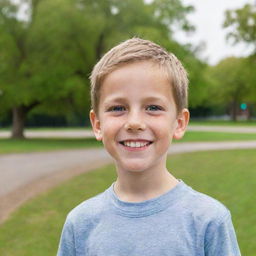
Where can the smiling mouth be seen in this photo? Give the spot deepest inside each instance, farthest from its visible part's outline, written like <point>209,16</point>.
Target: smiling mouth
<point>135,144</point>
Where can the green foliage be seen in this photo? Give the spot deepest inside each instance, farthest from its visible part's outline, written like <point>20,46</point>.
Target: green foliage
<point>47,56</point>
<point>251,78</point>
<point>48,59</point>
<point>242,25</point>
<point>231,82</point>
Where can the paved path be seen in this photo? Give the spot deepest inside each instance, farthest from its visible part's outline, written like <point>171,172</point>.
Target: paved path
<point>25,175</point>
<point>75,133</point>
<point>229,129</point>
<point>18,170</point>
<point>80,133</point>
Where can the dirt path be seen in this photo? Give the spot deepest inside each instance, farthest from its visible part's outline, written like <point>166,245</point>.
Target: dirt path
<point>24,176</point>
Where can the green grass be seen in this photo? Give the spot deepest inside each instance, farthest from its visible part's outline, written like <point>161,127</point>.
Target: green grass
<point>222,123</point>
<point>79,128</point>
<point>229,176</point>
<point>193,136</point>
<point>35,145</point>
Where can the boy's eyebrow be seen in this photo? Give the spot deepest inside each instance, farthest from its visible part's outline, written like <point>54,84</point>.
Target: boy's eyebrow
<point>122,99</point>
<point>114,99</point>
<point>153,98</point>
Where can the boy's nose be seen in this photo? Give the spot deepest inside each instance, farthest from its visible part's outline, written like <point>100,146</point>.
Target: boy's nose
<point>135,123</point>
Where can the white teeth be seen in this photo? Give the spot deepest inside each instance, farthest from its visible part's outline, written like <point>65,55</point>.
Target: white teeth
<point>136,144</point>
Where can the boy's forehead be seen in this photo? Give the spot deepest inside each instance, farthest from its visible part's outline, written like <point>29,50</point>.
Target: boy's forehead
<point>137,74</point>
<point>137,97</point>
<point>136,68</point>
<point>128,64</point>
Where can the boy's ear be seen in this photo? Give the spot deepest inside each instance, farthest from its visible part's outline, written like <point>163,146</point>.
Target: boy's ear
<point>95,122</point>
<point>182,123</point>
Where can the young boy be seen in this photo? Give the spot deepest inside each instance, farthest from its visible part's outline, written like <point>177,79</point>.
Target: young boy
<point>139,100</point>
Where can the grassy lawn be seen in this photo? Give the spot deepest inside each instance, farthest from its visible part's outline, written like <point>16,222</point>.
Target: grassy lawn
<point>46,129</point>
<point>33,145</point>
<point>36,145</point>
<point>223,122</point>
<point>193,136</point>
<point>229,176</point>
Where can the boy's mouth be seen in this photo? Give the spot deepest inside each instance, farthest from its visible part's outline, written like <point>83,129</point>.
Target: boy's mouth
<point>136,143</point>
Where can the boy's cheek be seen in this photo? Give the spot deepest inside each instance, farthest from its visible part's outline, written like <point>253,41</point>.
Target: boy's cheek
<point>111,125</point>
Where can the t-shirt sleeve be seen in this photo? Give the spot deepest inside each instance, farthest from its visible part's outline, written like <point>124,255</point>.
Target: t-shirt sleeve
<point>67,241</point>
<point>221,238</point>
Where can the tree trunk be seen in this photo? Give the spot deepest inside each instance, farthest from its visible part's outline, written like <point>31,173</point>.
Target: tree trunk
<point>233,111</point>
<point>19,114</point>
<point>249,112</point>
<point>18,122</point>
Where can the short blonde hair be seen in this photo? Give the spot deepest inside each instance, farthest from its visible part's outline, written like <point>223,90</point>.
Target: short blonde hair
<point>134,50</point>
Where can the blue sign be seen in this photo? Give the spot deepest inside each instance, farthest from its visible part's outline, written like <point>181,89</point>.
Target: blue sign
<point>243,106</point>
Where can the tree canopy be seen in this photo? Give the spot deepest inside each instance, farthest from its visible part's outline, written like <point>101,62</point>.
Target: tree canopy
<point>48,52</point>
<point>242,25</point>
<point>231,83</point>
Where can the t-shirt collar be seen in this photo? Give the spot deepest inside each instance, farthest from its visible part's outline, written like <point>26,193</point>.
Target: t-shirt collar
<point>147,207</point>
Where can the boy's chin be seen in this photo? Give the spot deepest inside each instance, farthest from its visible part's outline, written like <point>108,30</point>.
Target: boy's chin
<point>132,168</point>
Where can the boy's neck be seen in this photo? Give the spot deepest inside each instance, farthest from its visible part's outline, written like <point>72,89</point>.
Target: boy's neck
<point>138,187</point>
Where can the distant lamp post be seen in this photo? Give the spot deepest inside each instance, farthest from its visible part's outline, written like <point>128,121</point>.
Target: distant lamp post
<point>244,111</point>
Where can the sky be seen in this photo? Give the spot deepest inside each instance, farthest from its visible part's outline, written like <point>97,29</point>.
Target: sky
<point>208,18</point>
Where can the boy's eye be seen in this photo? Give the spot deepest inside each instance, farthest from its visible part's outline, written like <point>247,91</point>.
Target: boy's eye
<point>154,108</point>
<point>116,108</point>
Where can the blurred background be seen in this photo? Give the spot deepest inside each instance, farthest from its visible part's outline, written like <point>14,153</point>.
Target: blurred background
<point>48,49</point>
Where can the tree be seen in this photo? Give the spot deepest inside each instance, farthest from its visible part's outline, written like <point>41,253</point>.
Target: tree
<point>230,84</point>
<point>242,29</point>
<point>46,56</point>
<point>242,25</point>
<point>42,65</point>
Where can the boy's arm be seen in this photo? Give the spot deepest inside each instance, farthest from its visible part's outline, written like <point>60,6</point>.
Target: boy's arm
<point>221,239</point>
<point>67,241</point>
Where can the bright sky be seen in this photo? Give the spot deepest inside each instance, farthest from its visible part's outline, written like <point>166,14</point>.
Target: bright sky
<point>208,18</point>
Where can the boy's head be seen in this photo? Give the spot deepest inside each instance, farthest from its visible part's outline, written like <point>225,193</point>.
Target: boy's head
<point>139,95</point>
<point>135,50</point>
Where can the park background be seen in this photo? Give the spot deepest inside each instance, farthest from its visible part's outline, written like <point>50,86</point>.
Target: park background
<point>47,51</point>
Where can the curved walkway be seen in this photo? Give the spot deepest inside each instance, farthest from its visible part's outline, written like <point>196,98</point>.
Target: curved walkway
<point>24,176</point>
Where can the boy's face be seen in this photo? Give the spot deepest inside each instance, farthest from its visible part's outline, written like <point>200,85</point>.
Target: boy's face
<point>137,117</point>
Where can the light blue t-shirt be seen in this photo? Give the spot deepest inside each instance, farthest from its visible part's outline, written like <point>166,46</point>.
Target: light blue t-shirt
<point>181,222</point>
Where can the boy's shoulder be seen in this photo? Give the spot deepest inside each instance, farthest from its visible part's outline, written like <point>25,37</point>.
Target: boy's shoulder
<point>204,207</point>
<point>88,209</point>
